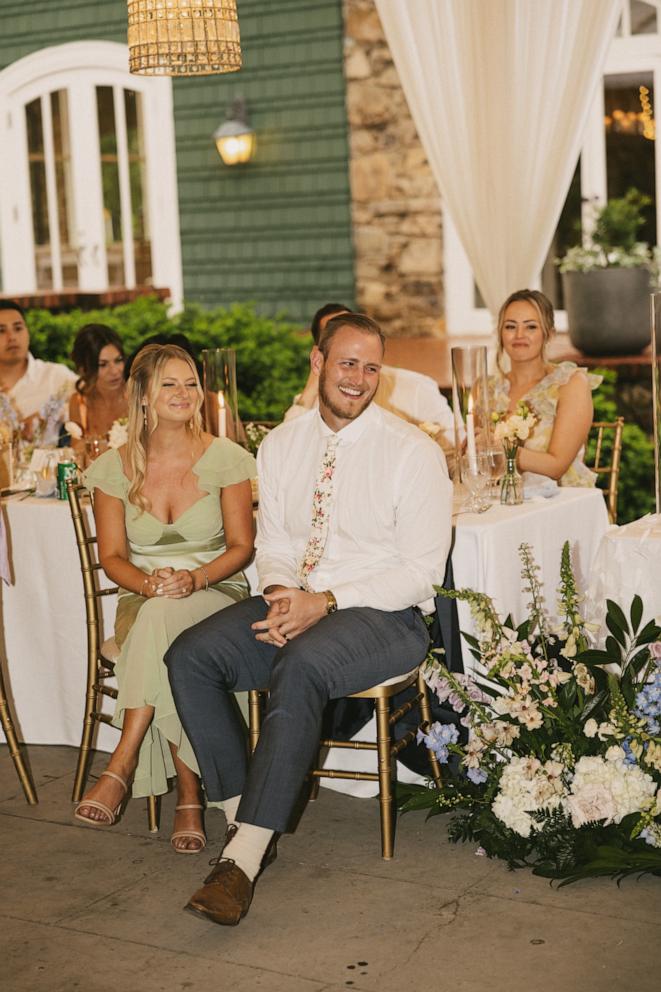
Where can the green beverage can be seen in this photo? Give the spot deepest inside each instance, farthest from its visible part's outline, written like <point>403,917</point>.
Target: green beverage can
<point>65,470</point>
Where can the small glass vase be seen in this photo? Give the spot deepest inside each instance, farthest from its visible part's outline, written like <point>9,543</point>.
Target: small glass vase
<point>511,485</point>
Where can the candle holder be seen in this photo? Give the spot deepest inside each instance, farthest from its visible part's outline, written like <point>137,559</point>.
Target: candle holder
<point>470,404</point>
<point>655,318</point>
<point>221,410</point>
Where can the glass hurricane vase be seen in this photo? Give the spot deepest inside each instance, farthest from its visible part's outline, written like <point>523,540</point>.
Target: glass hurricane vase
<point>511,486</point>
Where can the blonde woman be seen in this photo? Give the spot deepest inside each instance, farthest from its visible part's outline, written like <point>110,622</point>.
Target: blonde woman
<point>173,511</point>
<point>560,395</point>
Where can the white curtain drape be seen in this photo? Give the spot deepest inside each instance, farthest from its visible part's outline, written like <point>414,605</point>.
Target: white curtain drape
<point>500,91</point>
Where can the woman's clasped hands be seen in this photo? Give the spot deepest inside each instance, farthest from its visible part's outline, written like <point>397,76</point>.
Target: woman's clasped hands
<point>170,583</point>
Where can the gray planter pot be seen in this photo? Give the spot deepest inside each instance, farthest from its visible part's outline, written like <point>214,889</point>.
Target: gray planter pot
<point>608,310</point>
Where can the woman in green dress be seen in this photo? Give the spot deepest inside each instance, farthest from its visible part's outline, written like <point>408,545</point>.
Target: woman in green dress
<point>173,510</point>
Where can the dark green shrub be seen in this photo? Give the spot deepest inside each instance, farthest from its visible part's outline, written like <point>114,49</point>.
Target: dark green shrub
<point>636,492</point>
<point>271,353</point>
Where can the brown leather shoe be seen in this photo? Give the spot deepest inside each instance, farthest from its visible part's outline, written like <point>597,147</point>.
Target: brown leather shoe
<point>225,897</point>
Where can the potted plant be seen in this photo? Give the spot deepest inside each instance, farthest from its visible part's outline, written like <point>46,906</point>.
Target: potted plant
<point>607,281</point>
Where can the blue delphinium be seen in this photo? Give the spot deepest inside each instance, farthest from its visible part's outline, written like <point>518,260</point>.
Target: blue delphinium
<point>438,738</point>
<point>648,704</point>
<point>476,775</point>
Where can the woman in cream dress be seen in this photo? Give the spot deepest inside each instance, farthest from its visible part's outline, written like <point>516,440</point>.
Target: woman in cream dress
<point>173,510</point>
<point>558,395</point>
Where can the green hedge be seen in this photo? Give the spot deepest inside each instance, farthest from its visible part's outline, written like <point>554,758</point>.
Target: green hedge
<point>636,491</point>
<point>271,353</point>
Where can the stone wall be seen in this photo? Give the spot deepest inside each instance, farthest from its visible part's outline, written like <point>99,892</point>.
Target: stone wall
<point>395,201</point>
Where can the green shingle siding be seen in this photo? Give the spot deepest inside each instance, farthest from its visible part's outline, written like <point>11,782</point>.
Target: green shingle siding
<point>278,231</point>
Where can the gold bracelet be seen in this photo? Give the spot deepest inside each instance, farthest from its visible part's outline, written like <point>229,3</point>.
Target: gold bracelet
<point>206,577</point>
<point>144,583</point>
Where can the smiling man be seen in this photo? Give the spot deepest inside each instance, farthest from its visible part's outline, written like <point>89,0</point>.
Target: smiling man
<point>27,381</point>
<point>353,532</point>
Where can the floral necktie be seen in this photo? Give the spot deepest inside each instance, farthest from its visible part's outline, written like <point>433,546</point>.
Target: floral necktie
<point>321,502</point>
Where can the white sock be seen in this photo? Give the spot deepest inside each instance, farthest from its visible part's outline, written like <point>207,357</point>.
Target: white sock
<point>230,806</point>
<point>247,848</point>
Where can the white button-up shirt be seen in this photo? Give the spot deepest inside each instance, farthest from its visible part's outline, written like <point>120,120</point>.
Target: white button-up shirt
<point>41,381</point>
<point>390,517</point>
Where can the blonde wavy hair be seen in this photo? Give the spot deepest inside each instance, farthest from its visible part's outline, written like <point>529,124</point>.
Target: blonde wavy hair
<point>545,314</point>
<point>144,385</point>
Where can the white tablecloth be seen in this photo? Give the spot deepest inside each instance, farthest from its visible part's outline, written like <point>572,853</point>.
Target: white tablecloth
<point>43,625</point>
<point>43,620</point>
<point>485,555</point>
<point>628,562</point>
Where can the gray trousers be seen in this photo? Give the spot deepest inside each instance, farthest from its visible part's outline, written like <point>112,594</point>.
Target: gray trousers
<point>345,652</point>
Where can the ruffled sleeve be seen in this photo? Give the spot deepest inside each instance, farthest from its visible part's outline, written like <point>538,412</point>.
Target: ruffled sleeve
<point>106,474</point>
<point>224,463</point>
<point>563,372</point>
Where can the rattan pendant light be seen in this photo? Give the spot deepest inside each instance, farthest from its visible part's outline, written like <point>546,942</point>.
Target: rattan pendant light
<point>183,37</point>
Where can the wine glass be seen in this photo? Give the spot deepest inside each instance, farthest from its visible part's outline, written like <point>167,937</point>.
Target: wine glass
<point>496,459</point>
<point>476,477</point>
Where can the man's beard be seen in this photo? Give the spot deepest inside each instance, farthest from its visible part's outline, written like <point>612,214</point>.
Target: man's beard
<point>335,409</point>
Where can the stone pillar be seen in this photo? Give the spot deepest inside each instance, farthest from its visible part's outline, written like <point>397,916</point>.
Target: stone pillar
<point>396,212</point>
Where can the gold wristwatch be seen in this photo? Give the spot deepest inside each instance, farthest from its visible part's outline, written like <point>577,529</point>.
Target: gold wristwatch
<point>331,602</point>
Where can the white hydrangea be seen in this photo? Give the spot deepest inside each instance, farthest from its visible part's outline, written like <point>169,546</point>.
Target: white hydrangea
<point>607,789</point>
<point>527,786</point>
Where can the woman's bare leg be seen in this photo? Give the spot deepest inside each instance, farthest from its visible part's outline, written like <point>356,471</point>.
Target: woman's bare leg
<point>122,762</point>
<point>188,793</point>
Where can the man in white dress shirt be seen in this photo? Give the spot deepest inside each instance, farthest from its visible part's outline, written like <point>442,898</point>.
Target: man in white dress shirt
<point>411,395</point>
<point>353,533</point>
<point>28,382</point>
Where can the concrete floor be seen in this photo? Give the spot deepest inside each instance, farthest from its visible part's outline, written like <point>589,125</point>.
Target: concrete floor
<point>100,910</point>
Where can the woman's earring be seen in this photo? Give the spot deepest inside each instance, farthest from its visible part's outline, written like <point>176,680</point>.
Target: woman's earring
<point>144,416</point>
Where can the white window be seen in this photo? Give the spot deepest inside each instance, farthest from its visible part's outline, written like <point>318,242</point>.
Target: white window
<point>618,153</point>
<point>87,173</point>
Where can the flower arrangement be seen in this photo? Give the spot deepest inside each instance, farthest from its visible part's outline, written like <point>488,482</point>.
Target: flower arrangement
<point>562,767</point>
<point>511,430</point>
<point>118,434</point>
<point>9,414</point>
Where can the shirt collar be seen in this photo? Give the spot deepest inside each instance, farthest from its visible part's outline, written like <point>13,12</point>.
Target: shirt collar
<point>354,430</point>
<point>31,370</point>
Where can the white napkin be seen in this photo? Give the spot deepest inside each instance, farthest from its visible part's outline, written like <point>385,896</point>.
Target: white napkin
<point>538,486</point>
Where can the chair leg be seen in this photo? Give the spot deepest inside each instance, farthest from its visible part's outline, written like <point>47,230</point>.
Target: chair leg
<point>254,717</point>
<point>153,811</point>
<point>425,711</point>
<point>85,746</point>
<point>384,753</point>
<point>14,748</point>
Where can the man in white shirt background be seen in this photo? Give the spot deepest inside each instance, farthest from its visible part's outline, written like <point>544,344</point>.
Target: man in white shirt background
<point>353,533</point>
<point>28,382</point>
<point>410,395</point>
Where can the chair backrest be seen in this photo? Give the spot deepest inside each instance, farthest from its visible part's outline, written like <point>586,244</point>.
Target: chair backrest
<point>609,470</point>
<point>85,540</point>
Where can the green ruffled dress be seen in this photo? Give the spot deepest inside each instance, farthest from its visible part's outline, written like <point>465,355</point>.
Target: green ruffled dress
<point>145,628</point>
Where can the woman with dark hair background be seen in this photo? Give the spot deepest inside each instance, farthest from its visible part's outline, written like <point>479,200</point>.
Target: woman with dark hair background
<point>100,396</point>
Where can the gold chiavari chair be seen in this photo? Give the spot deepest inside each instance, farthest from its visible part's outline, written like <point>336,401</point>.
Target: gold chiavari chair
<point>386,747</point>
<point>101,657</point>
<point>609,470</point>
<point>15,747</point>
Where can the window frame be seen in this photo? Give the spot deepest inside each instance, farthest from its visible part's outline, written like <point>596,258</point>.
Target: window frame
<point>79,67</point>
